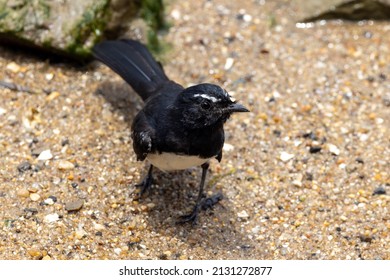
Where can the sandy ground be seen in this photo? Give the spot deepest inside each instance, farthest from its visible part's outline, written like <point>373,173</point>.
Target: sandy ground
<point>304,174</point>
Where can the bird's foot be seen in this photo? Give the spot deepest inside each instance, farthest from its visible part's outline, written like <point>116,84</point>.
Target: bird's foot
<point>204,204</point>
<point>144,186</point>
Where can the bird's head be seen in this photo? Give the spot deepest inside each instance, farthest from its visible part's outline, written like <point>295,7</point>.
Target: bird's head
<point>205,105</point>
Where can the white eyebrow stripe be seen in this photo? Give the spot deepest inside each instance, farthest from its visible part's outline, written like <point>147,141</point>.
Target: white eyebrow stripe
<point>205,96</point>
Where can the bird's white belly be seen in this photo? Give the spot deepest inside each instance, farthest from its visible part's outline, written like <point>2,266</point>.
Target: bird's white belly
<point>170,161</point>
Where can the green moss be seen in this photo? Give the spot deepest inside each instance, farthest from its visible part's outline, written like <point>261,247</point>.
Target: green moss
<point>152,11</point>
<point>89,29</point>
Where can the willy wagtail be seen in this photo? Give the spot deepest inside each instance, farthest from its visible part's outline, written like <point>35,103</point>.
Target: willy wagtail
<point>178,127</point>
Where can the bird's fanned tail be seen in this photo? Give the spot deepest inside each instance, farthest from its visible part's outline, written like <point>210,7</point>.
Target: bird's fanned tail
<point>133,62</point>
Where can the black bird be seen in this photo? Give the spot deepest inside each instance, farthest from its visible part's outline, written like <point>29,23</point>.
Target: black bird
<point>178,127</point>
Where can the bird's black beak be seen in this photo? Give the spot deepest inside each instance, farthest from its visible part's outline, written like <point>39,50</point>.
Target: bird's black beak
<point>237,107</point>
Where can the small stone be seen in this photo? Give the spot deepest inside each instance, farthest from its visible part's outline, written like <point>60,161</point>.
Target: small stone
<point>65,165</point>
<point>297,183</point>
<point>13,67</point>
<point>2,111</point>
<point>46,258</point>
<point>45,155</point>
<point>118,251</point>
<point>379,191</point>
<point>35,253</point>
<point>228,147</point>
<point>49,76</point>
<point>343,218</point>
<point>284,156</point>
<point>51,218</point>
<point>255,230</point>
<point>168,253</point>
<point>24,166</point>
<point>31,211</point>
<point>365,238</point>
<point>333,149</point>
<point>243,214</point>
<point>23,193</point>
<point>229,63</point>
<point>315,149</point>
<point>74,205</point>
<point>50,200</point>
<point>35,197</point>
<point>80,233</point>
<point>247,18</point>
<point>52,96</point>
<point>98,227</point>
<point>151,205</point>
<point>175,14</point>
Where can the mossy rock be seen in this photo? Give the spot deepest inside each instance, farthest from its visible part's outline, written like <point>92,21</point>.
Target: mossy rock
<point>71,28</point>
<point>355,10</point>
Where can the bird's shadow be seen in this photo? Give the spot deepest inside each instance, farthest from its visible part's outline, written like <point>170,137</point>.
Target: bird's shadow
<point>174,194</point>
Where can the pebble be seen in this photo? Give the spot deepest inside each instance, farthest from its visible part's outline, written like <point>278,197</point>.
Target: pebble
<point>49,76</point>
<point>243,214</point>
<point>379,191</point>
<point>52,96</point>
<point>50,200</point>
<point>333,149</point>
<point>45,155</point>
<point>228,147</point>
<point>118,251</point>
<point>23,193</point>
<point>229,63</point>
<point>2,111</point>
<point>74,205</point>
<point>65,165</point>
<point>13,67</point>
<point>80,232</point>
<point>284,156</point>
<point>35,253</point>
<point>98,227</point>
<point>315,149</point>
<point>51,218</point>
<point>256,230</point>
<point>24,166</point>
<point>343,218</point>
<point>35,196</point>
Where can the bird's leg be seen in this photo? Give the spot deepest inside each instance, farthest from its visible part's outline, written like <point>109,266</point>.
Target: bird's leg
<point>201,203</point>
<point>146,182</point>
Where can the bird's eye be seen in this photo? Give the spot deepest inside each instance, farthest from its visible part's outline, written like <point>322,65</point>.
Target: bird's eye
<point>205,104</point>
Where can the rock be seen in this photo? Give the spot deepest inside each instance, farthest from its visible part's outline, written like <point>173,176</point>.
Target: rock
<point>24,166</point>
<point>45,155</point>
<point>51,218</point>
<point>13,67</point>
<point>333,149</point>
<point>98,227</point>
<point>228,147</point>
<point>284,156</point>
<point>379,191</point>
<point>64,165</point>
<point>315,149</point>
<point>69,28</point>
<point>35,253</point>
<point>355,10</point>
<point>229,63</point>
<point>80,232</point>
<point>74,205</point>
<point>243,215</point>
<point>50,200</point>
<point>23,193</point>
<point>35,197</point>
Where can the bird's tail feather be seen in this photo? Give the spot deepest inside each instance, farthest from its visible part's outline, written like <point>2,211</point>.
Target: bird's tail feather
<point>133,62</point>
